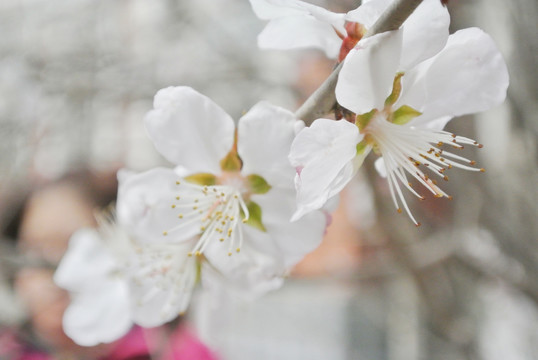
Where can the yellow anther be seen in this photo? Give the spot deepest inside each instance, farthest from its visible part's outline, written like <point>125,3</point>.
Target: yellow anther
<point>229,254</point>
<point>189,254</point>
<point>198,253</point>
<point>195,200</point>
<point>195,207</point>
<point>202,228</point>
<point>244,220</point>
<point>221,239</point>
<point>165,233</point>
<point>180,216</point>
<point>482,170</point>
<point>399,210</point>
<point>173,206</point>
<point>238,250</point>
<point>177,183</point>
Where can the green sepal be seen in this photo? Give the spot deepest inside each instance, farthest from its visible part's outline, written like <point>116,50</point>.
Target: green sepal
<point>257,184</point>
<point>255,216</point>
<point>231,162</point>
<point>363,120</point>
<point>404,114</point>
<point>396,90</point>
<point>361,147</point>
<point>202,179</point>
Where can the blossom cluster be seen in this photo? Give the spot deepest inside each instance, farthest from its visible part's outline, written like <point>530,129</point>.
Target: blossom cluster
<point>245,203</point>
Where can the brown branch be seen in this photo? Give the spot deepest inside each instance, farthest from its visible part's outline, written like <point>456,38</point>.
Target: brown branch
<point>323,99</point>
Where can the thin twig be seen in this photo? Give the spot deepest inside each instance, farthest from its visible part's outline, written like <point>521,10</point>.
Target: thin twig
<point>323,99</point>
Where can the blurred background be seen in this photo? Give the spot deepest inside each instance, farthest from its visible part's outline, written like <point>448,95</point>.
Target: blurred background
<point>76,79</point>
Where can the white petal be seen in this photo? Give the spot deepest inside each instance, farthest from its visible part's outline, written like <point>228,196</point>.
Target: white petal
<point>87,262</point>
<point>469,75</point>
<point>162,281</point>
<point>368,72</point>
<point>380,167</point>
<point>424,33</point>
<point>292,239</point>
<point>323,155</point>
<point>144,206</point>
<point>300,32</point>
<point>256,269</point>
<point>265,135</point>
<point>248,281</point>
<point>189,129</point>
<point>368,13</point>
<point>273,9</point>
<point>99,315</point>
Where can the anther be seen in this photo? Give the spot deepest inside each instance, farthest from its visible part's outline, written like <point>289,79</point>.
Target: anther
<point>177,197</point>
<point>229,254</point>
<point>173,206</point>
<point>449,197</point>
<point>238,250</point>
<point>165,233</point>
<point>480,146</point>
<point>399,210</point>
<point>180,216</point>
<point>445,178</point>
<point>482,170</point>
<point>418,224</point>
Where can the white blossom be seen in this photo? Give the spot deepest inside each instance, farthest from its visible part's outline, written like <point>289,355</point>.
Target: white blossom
<point>297,24</point>
<point>227,203</point>
<point>400,115</point>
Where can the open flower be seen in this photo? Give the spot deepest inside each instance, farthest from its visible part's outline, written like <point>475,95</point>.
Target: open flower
<point>229,199</point>
<point>400,115</point>
<point>297,24</point>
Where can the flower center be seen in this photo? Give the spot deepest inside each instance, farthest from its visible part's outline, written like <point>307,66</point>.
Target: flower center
<point>211,211</point>
<point>417,152</point>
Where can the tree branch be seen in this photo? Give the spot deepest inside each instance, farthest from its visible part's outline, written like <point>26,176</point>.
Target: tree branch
<point>323,99</point>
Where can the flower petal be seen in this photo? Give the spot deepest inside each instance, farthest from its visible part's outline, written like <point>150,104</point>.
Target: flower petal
<point>256,269</point>
<point>100,314</point>
<point>300,32</point>
<point>144,206</point>
<point>162,280</point>
<point>293,240</point>
<point>425,32</point>
<point>86,262</point>
<point>265,135</point>
<point>189,129</point>
<point>368,72</point>
<point>322,155</point>
<point>298,24</point>
<point>469,75</point>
